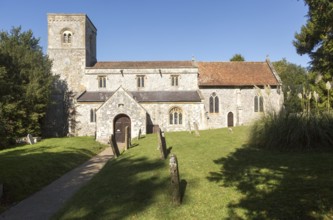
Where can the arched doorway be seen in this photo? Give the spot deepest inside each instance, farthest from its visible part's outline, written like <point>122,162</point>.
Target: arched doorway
<point>119,125</point>
<point>230,119</point>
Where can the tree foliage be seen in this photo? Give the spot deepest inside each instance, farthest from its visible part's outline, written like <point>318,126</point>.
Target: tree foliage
<point>316,37</point>
<point>316,40</point>
<point>294,79</point>
<point>25,85</point>
<point>237,57</point>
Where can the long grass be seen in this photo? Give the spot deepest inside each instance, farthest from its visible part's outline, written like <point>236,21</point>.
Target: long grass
<point>26,169</point>
<point>221,178</point>
<point>293,132</point>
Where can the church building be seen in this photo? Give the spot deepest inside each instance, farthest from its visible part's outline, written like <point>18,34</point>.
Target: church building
<point>145,95</point>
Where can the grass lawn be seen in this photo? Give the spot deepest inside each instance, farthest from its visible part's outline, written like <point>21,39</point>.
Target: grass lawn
<point>26,169</point>
<point>221,178</point>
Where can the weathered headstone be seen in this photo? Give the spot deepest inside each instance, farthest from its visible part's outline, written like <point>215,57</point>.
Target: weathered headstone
<point>113,145</point>
<point>189,127</point>
<point>1,190</point>
<point>30,139</point>
<point>175,183</point>
<point>162,144</point>
<point>139,135</point>
<point>127,138</point>
<point>196,129</point>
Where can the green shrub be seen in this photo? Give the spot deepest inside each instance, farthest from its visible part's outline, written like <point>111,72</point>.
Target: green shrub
<point>293,132</point>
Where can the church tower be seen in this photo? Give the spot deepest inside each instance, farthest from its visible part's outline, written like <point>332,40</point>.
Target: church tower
<point>71,47</point>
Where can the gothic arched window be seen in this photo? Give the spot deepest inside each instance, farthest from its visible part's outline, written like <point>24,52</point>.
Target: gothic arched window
<point>176,116</point>
<point>213,103</point>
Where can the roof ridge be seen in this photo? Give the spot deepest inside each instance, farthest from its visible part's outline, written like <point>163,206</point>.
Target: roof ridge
<point>231,61</point>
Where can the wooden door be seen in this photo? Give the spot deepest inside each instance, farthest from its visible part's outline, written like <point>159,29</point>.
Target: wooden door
<point>120,123</point>
<point>230,119</point>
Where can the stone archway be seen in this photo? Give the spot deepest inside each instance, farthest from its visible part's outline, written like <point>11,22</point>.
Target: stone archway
<point>119,124</point>
<point>230,119</point>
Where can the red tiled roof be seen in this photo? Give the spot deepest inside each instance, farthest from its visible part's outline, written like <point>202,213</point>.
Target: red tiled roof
<point>142,64</point>
<point>235,74</point>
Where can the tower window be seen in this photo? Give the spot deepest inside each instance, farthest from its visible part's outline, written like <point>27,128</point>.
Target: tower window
<point>67,37</point>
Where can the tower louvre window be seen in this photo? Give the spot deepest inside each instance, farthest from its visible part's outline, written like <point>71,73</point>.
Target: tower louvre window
<point>67,37</point>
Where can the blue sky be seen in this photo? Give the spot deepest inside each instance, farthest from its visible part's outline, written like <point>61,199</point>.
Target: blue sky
<point>209,30</point>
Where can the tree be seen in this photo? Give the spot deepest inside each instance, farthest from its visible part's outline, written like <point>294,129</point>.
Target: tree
<point>25,85</point>
<point>294,79</point>
<point>316,37</point>
<point>237,57</point>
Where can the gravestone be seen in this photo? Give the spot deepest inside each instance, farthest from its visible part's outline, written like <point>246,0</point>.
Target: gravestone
<point>30,139</point>
<point>162,144</point>
<point>127,138</point>
<point>1,190</point>
<point>139,135</point>
<point>196,129</point>
<point>189,127</point>
<point>175,183</point>
<point>114,147</point>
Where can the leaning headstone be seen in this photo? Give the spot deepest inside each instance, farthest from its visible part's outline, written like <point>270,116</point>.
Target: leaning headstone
<point>175,183</point>
<point>127,138</point>
<point>30,139</point>
<point>196,129</point>
<point>1,190</point>
<point>162,144</point>
<point>113,145</point>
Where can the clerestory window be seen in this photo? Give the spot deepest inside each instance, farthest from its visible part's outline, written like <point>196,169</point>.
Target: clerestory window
<point>140,79</point>
<point>174,80</point>
<point>102,82</point>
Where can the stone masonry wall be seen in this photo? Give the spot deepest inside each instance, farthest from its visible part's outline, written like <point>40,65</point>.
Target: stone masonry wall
<point>84,126</point>
<point>239,101</point>
<point>192,112</point>
<point>154,81</point>
<point>120,103</point>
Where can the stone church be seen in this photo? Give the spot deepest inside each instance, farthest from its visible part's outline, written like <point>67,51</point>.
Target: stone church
<point>174,95</point>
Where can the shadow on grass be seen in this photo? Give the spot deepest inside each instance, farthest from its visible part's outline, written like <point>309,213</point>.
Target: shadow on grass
<point>183,185</point>
<point>123,188</point>
<point>25,171</point>
<point>278,185</point>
